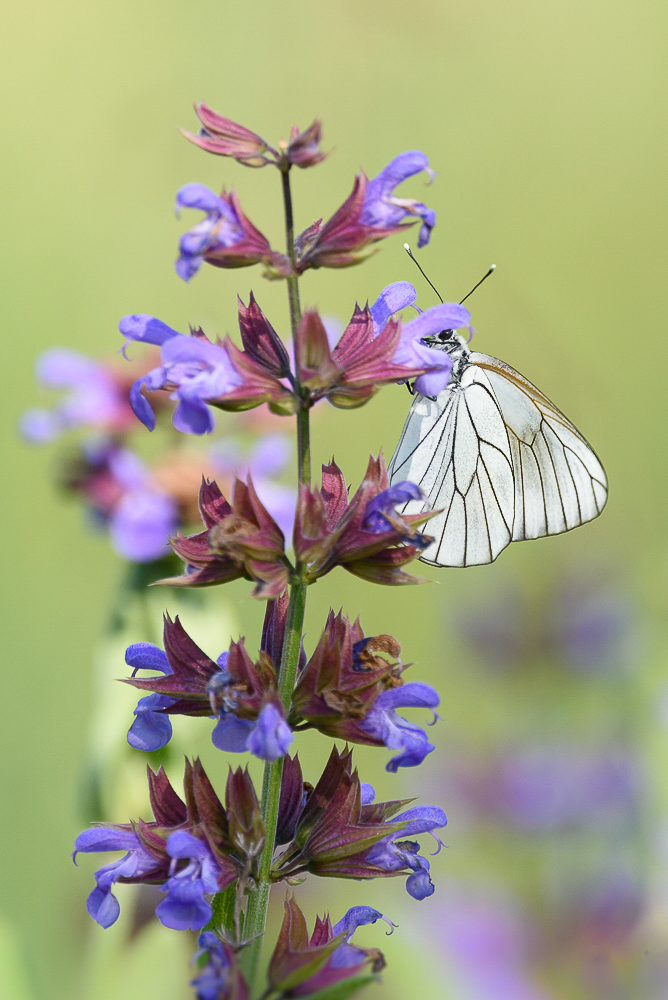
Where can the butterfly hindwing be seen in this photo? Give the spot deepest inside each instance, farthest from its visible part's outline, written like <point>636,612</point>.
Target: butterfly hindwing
<point>559,481</point>
<point>457,450</point>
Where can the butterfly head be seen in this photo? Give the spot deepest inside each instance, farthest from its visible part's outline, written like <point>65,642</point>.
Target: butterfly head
<point>447,340</point>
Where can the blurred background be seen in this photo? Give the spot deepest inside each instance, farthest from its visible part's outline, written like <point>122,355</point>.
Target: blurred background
<point>546,124</point>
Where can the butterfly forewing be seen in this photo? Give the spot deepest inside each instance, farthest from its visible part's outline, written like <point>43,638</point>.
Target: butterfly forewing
<point>457,450</point>
<point>501,460</point>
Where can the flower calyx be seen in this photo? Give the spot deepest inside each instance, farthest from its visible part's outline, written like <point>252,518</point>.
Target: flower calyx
<point>370,213</point>
<point>337,830</point>
<point>365,535</point>
<point>224,137</point>
<point>301,966</point>
<point>349,689</point>
<point>240,694</point>
<point>362,360</point>
<point>187,849</point>
<point>241,540</point>
<point>225,237</point>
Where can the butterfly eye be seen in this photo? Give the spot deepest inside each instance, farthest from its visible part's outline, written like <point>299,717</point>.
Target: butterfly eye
<point>445,335</point>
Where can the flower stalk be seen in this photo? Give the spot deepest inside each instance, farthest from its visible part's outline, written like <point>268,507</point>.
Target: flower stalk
<point>213,858</point>
<point>256,913</point>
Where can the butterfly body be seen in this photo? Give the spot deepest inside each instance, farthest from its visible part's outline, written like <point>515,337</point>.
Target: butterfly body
<point>498,457</point>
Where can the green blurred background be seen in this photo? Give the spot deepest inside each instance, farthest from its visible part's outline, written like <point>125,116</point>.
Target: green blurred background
<point>546,124</point>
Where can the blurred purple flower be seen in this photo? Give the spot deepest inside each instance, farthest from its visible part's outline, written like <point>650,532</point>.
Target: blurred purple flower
<point>141,525</point>
<point>144,518</point>
<point>123,498</point>
<point>589,627</point>
<point>488,942</point>
<point>93,396</point>
<point>266,460</point>
<point>546,788</point>
<point>594,629</point>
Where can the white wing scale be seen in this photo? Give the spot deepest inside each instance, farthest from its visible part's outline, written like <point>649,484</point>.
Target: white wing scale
<point>503,462</point>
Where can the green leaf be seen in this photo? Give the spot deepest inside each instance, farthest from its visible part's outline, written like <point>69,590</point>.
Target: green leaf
<point>222,909</point>
<point>343,990</point>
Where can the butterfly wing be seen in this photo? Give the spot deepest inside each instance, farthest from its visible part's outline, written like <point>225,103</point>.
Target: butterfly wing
<point>457,450</point>
<point>559,481</point>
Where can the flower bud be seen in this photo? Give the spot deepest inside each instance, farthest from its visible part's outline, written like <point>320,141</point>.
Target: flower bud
<point>224,137</point>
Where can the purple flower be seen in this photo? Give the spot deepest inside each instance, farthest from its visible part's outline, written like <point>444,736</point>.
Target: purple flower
<point>226,237</point>
<point>412,351</point>
<point>393,855</point>
<point>303,967</point>
<point>102,905</point>
<point>267,738</point>
<point>357,916</point>
<point>141,525</point>
<point>271,735</point>
<point>93,396</point>
<point>338,832</point>
<point>219,229</point>
<point>230,689</point>
<point>380,512</point>
<point>391,300</point>
<point>348,690</point>
<point>144,517</point>
<point>186,849</point>
<point>382,209</point>
<point>151,730</point>
<point>193,368</point>
<point>231,734</point>
<point>220,978</point>
<point>384,724</point>
<point>370,213</point>
<point>185,907</point>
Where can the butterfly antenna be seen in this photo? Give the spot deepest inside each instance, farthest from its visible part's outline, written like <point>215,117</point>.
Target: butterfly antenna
<point>492,268</point>
<point>410,254</point>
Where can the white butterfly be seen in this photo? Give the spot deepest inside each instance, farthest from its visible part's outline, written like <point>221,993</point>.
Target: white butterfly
<point>498,457</point>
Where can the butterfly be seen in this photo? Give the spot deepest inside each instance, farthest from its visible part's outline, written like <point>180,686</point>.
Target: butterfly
<point>497,458</point>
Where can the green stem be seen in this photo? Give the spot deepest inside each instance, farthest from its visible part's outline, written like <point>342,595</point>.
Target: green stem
<point>293,280</point>
<point>256,912</point>
<point>303,445</point>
